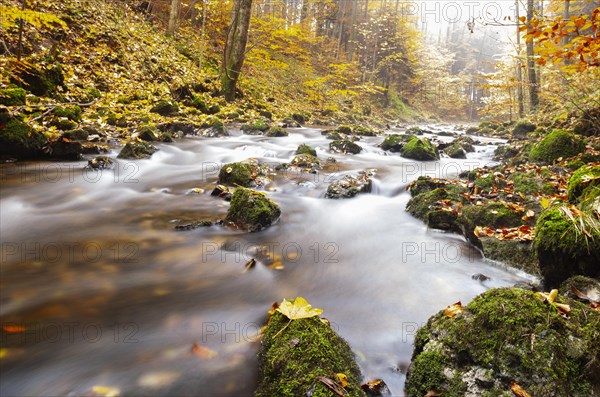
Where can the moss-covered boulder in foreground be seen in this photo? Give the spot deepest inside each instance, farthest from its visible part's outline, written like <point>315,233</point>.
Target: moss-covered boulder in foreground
<point>137,150</point>
<point>508,335</point>
<point>419,149</point>
<point>251,210</point>
<point>236,174</point>
<point>559,143</point>
<point>563,247</point>
<point>292,361</point>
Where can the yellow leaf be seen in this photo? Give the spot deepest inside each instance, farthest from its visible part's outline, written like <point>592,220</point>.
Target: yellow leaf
<point>105,391</point>
<point>518,390</point>
<point>298,308</point>
<point>343,379</point>
<point>545,202</point>
<point>453,310</point>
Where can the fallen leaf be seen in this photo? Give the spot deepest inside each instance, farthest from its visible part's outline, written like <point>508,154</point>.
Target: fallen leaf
<point>518,390</point>
<point>203,352</point>
<point>433,393</point>
<point>343,379</point>
<point>105,391</point>
<point>13,329</point>
<point>550,297</point>
<point>453,310</point>
<point>376,388</point>
<point>331,385</point>
<point>298,308</point>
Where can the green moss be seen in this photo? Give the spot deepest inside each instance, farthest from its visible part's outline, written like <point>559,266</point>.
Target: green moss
<point>165,108</point>
<point>516,253</point>
<point>558,143</point>
<point>12,97</point>
<point>455,151</point>
<point>276,132</point>
<point>527,184</point>
<point>563,248</point>
<point>252,210</point>
<point>137,150</point>
<point>486,182</point>
<point>419,149</point>
<point>344,146</point>
<point>494,215</point>
<point>291,362</point>
<point>523,127</point>
<point>40,81</point>
<point>236,174</point>
<point>18,139</point>
<point>306,149</point>
<point>421,204</point>
<point>255,127</point>
<point>426,373</point>
<point>365,131</point>
<point>394,142</point>
<point>513,336</point>
<point>425,184</point>
<point>582,182</point>
<point>148,133</point>
<point>344,129</point>
<point>71,112</point>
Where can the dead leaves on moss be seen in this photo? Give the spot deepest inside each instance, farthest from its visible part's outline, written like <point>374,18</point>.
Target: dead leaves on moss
<point>521,233</point>
<point>452,310</point>
<point>550,297</point>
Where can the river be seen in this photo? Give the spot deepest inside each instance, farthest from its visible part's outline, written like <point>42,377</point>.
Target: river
<point>98,289</point>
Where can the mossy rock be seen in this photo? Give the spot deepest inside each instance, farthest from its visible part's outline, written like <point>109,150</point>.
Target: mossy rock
<point>395,142</point>
<point>306,161</point>
<point>466,142</point>
<point>335,136</point>
<point>508,335</point>
<point>18,139</point>
<point>563,249</point>
<point>349,186</point>
<point>165,108</point>
<point>275,131</point>
<point>291,361</point>
<point>518,254</point>
<point>236,174</point>
<point>559,143</point>
<point>257,127</point>
<point>416,131</point>
<point>70,112</point>
<point>12,97</point>
<point>63,124</point>
<point>251,210</point>
<point>345,146</point>
<point>494,215</point>
<point>200,103</point>
<point>40,81</point>
<point>215,129</point>
<point>456,151</point>
<point>148,133</point>
<point>583,182</point>
<point>306,149</point>
<point>344,129</point>
<point>529,184</point>
<point>522,128</point>
<point>426,184</point>
<point>423,203</point>
<point>590,287</point>
<point>442,220</point>
<point>364,131</point>
<point>419,149</point>
<point>137,150</point>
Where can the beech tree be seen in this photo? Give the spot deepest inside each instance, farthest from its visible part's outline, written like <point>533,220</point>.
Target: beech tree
<point>235,47</point>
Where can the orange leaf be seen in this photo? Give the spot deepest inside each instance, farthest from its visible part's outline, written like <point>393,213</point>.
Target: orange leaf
<point>14,329</point>
<point>518,390</point>
<point>453,310</point>
<point>203,352</point>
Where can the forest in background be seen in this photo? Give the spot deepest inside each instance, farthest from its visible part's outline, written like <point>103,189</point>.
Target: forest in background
<point>326,59</point>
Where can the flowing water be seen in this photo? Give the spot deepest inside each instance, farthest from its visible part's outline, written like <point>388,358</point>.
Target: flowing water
<point>98,289</point>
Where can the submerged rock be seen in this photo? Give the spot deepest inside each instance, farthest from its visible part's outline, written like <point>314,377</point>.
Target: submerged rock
<point>349,186</point>
<point>298,357</point>
<point>137,150</point>
<point>252,210</point>
<point>508,335</point>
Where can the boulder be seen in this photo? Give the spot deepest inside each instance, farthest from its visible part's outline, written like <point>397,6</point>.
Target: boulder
<point>419,149</point>
<point>584,184</point>
<point>257,127</point>
<point>504,337</point>
<point>494,215</point>
<point>165,108</point>
<point>344,146</point>
<point>395,142</point>
<point>137,150</point>
<point>305,149</point>
<point>349,186</point>
<point>12,96</point>
<point>18,139</point>
<point>251,210</point>
<point>275,131</point>
<point>236,174</point>
<point>559,143</point>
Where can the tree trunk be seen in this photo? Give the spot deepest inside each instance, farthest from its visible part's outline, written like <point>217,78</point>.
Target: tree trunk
<point>235,47</point>
<point>534,99</point>
<point>173,16</point>
<point>519,66</point>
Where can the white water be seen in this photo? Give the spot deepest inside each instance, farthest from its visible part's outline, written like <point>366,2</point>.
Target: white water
<point>84,253</point>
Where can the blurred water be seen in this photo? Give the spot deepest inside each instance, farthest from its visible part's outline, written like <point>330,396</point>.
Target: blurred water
<point>110,295</point>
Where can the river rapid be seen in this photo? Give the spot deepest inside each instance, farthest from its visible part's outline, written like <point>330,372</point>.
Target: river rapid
<point>98,289</point>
